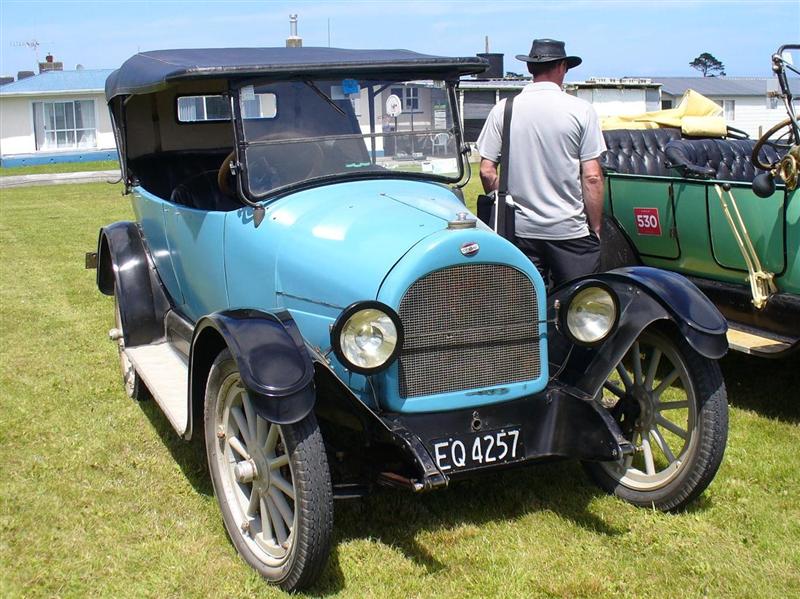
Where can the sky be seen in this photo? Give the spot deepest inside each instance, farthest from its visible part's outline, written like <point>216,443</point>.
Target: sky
<point>615,38</point>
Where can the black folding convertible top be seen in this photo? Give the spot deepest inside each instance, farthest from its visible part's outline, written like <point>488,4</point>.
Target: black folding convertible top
<point>147,72</point>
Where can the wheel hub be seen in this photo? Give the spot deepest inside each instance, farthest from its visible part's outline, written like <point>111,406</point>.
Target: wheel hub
<point>245,471</point>
<point>647,412</point>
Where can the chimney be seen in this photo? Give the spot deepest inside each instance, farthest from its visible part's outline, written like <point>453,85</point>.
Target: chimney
<point>50,65</point>
<point>495,70</point>
<point>294,40</point>
<point>24,75</point>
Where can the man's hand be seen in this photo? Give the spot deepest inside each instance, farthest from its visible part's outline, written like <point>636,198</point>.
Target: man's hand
<point>489,176</point>
<point>592,187</point>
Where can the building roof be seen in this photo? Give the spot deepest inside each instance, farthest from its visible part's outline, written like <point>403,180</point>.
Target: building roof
<point>148,72</point>
<point>715,86</point>
<point>58,82</point>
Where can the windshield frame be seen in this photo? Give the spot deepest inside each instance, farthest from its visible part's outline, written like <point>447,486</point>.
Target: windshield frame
<point>241,144</point>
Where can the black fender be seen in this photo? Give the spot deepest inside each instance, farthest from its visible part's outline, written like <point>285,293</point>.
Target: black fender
<point>646,295</point>
<point>271,357</point>
<point>124,263</point>
<point>374,433</point>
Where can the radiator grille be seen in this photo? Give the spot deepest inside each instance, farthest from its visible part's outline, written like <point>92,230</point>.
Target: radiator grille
<point>468,327</point>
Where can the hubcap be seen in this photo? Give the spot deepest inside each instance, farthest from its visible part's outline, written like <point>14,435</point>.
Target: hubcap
<point>652,397</point>
<point>257,478</point>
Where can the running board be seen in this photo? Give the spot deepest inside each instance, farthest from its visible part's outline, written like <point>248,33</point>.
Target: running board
<point>166,374</point>
<point>758,343</point>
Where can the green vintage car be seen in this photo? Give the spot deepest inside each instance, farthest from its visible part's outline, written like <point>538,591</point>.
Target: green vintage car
<point>723,212</point>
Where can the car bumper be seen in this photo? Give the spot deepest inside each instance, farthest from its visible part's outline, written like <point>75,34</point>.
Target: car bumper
<point>557,423</point>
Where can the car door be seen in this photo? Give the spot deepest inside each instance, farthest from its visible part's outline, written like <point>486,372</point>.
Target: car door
<point>196,243</point>
<point>645,208</point>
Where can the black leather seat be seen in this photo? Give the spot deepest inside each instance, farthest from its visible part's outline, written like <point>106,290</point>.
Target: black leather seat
<point>723,159</point>
<point>638,151</point>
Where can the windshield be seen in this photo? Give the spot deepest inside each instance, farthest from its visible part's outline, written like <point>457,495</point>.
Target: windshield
<point>294,131</point>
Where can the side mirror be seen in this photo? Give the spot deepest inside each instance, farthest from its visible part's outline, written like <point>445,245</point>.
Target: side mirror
<point>764,185</point>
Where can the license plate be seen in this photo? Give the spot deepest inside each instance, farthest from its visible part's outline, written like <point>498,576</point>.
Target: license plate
<point>477,450</point>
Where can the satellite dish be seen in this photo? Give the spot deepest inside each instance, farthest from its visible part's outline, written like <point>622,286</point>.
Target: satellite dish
<point>394,105</point>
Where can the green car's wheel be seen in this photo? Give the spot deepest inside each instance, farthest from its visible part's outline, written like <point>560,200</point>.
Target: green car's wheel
<point>672,405</point>
<point>131,381</point>
<point>272,482</point>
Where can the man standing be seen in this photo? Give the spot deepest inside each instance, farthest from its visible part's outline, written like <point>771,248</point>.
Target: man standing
<point>554,167</point>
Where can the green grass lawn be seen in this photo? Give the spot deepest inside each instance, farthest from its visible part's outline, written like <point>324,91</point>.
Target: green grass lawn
<point>100,498</point>
<point>60,167</point>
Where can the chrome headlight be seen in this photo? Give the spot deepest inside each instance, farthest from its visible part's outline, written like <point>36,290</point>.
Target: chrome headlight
<point>591,314</point>
<point>367,337</point>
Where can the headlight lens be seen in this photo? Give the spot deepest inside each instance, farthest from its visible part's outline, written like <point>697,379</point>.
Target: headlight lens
<point>367,337</point>
<point>592,314</point>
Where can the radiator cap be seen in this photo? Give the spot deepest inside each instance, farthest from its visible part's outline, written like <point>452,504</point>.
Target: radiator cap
<point>463,221</point>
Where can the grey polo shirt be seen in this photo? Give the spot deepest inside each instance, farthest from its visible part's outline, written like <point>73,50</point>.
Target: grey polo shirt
<point>551,134</point>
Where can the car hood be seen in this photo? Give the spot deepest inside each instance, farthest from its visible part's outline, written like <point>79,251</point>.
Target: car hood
<point>338,242</point>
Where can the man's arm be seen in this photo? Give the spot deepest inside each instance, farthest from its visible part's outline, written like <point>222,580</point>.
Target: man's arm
<point>592,187</point>
<point>489,176</point>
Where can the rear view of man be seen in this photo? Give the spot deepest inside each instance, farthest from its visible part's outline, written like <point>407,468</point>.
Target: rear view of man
<point>554,167</point>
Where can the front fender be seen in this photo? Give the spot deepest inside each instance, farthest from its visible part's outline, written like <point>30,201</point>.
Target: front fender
<point>271,357</point>
<point>646,295</point>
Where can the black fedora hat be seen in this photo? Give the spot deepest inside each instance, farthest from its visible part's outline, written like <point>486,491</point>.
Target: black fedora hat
<point>546,50</point>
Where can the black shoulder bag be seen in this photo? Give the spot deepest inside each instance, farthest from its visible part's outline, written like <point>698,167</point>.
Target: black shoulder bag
<point>502,221</point>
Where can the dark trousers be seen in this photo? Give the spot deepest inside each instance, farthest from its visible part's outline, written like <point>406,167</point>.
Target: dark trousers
<point>564,259</point>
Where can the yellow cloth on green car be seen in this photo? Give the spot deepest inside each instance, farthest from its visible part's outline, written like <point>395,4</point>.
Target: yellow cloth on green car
<point>695,115</point>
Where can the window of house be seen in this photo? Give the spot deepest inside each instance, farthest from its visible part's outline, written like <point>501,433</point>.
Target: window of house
<point>192,109</point>
<point>729,109</point>
<point>666,104</point>
<point>410,97</point>
<point>258,106</point>
<point>64,125</point>
<point>773,101</point>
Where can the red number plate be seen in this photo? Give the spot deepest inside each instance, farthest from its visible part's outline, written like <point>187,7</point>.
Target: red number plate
<point>647,221</point>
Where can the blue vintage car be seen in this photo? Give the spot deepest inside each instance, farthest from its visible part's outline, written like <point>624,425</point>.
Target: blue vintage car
<point>304,287</point>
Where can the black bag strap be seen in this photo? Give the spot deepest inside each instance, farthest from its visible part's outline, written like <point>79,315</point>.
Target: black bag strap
<point>502,188</point>
<point>504,143</point>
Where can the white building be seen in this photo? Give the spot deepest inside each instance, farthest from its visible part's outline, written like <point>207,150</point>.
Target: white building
<point>749,104</point>
<point>57,116</point>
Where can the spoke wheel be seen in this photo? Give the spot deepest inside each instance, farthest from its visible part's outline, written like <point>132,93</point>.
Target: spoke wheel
<point>133,384</point>
<point>271,481</point>
<point>670,402</point>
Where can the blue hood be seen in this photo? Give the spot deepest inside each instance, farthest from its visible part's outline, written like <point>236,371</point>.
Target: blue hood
<point>354,233</point>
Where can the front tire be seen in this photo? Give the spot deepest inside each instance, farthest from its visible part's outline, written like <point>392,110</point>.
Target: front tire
<point>671,403</point>
<point>271,481</point>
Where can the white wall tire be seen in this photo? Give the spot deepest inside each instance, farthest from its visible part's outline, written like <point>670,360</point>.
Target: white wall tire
<point>271,481</point>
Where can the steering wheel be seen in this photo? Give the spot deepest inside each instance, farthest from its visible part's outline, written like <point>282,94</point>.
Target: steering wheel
<point>225,177</point>
<point>765,140</point>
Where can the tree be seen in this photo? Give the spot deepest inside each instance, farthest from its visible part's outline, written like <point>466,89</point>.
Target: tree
<point>708,65</point>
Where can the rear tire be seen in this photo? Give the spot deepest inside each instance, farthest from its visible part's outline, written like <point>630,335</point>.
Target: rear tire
<point>271,481</point>
<point>131,381</point>
<point>671,403</point>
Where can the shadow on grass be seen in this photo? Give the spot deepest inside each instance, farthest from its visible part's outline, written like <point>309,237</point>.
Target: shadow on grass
<point>766,386</point>
<point>394,518</point>
<point>189,455</point>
